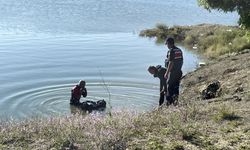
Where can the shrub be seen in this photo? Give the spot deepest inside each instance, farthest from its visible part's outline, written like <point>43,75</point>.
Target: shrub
<point>212,40</point>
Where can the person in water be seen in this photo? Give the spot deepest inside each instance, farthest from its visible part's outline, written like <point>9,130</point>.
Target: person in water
<point>159,72</point>
<point>173,75</point>
<point>78,91</point>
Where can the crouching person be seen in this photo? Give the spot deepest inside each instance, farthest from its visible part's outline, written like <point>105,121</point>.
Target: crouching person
<point>159,72</point>
<point>78,91</point>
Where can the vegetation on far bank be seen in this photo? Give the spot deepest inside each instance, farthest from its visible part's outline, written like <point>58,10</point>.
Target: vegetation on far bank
<point>210,40</point>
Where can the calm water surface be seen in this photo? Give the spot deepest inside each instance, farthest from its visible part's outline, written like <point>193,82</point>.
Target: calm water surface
<point>47,46</point>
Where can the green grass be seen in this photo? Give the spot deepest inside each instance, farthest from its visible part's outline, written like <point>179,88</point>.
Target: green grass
<point>211,40</point>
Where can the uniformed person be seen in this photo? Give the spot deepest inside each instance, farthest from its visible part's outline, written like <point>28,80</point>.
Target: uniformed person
<point>173,74</point>
<point>159,72</point>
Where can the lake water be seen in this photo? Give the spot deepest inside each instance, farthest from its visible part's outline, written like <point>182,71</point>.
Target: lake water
<point>47,46</point>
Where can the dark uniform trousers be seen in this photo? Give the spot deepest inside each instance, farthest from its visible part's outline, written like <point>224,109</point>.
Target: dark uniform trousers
<point>173,87</point>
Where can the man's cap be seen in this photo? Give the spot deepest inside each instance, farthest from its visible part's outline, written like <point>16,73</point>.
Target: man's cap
<point>169,40</point>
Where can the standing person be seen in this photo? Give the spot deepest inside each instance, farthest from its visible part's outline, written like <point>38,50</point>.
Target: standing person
<point>159,72</point>
<point>173,63</point>
<point>78,91</point>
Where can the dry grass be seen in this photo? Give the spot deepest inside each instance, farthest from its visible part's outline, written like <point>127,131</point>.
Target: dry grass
<point>189,126</point>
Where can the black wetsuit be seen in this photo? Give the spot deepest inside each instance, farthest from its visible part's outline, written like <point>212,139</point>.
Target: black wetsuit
<point>173,83</point>
<point>163,83</point>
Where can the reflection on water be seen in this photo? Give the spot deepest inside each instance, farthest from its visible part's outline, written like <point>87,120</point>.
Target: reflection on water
<point>46,46</point>
<point>76,110</point>
<point>38,74</point>
<point>102,16</point>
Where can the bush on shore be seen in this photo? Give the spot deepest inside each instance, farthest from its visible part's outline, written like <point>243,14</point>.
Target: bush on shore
<point>211,40</point>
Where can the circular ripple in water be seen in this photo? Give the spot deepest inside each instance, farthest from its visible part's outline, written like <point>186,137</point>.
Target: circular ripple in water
<point>54,99</point>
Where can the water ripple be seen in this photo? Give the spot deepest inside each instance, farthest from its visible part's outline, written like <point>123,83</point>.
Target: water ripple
<point>54,99</point>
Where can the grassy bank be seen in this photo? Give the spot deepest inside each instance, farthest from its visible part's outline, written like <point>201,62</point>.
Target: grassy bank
<point>191,126</point>
<point>220,123</point>
<point>211,40</point>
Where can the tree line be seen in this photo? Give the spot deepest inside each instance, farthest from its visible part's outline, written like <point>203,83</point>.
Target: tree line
<point>240,6</point>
